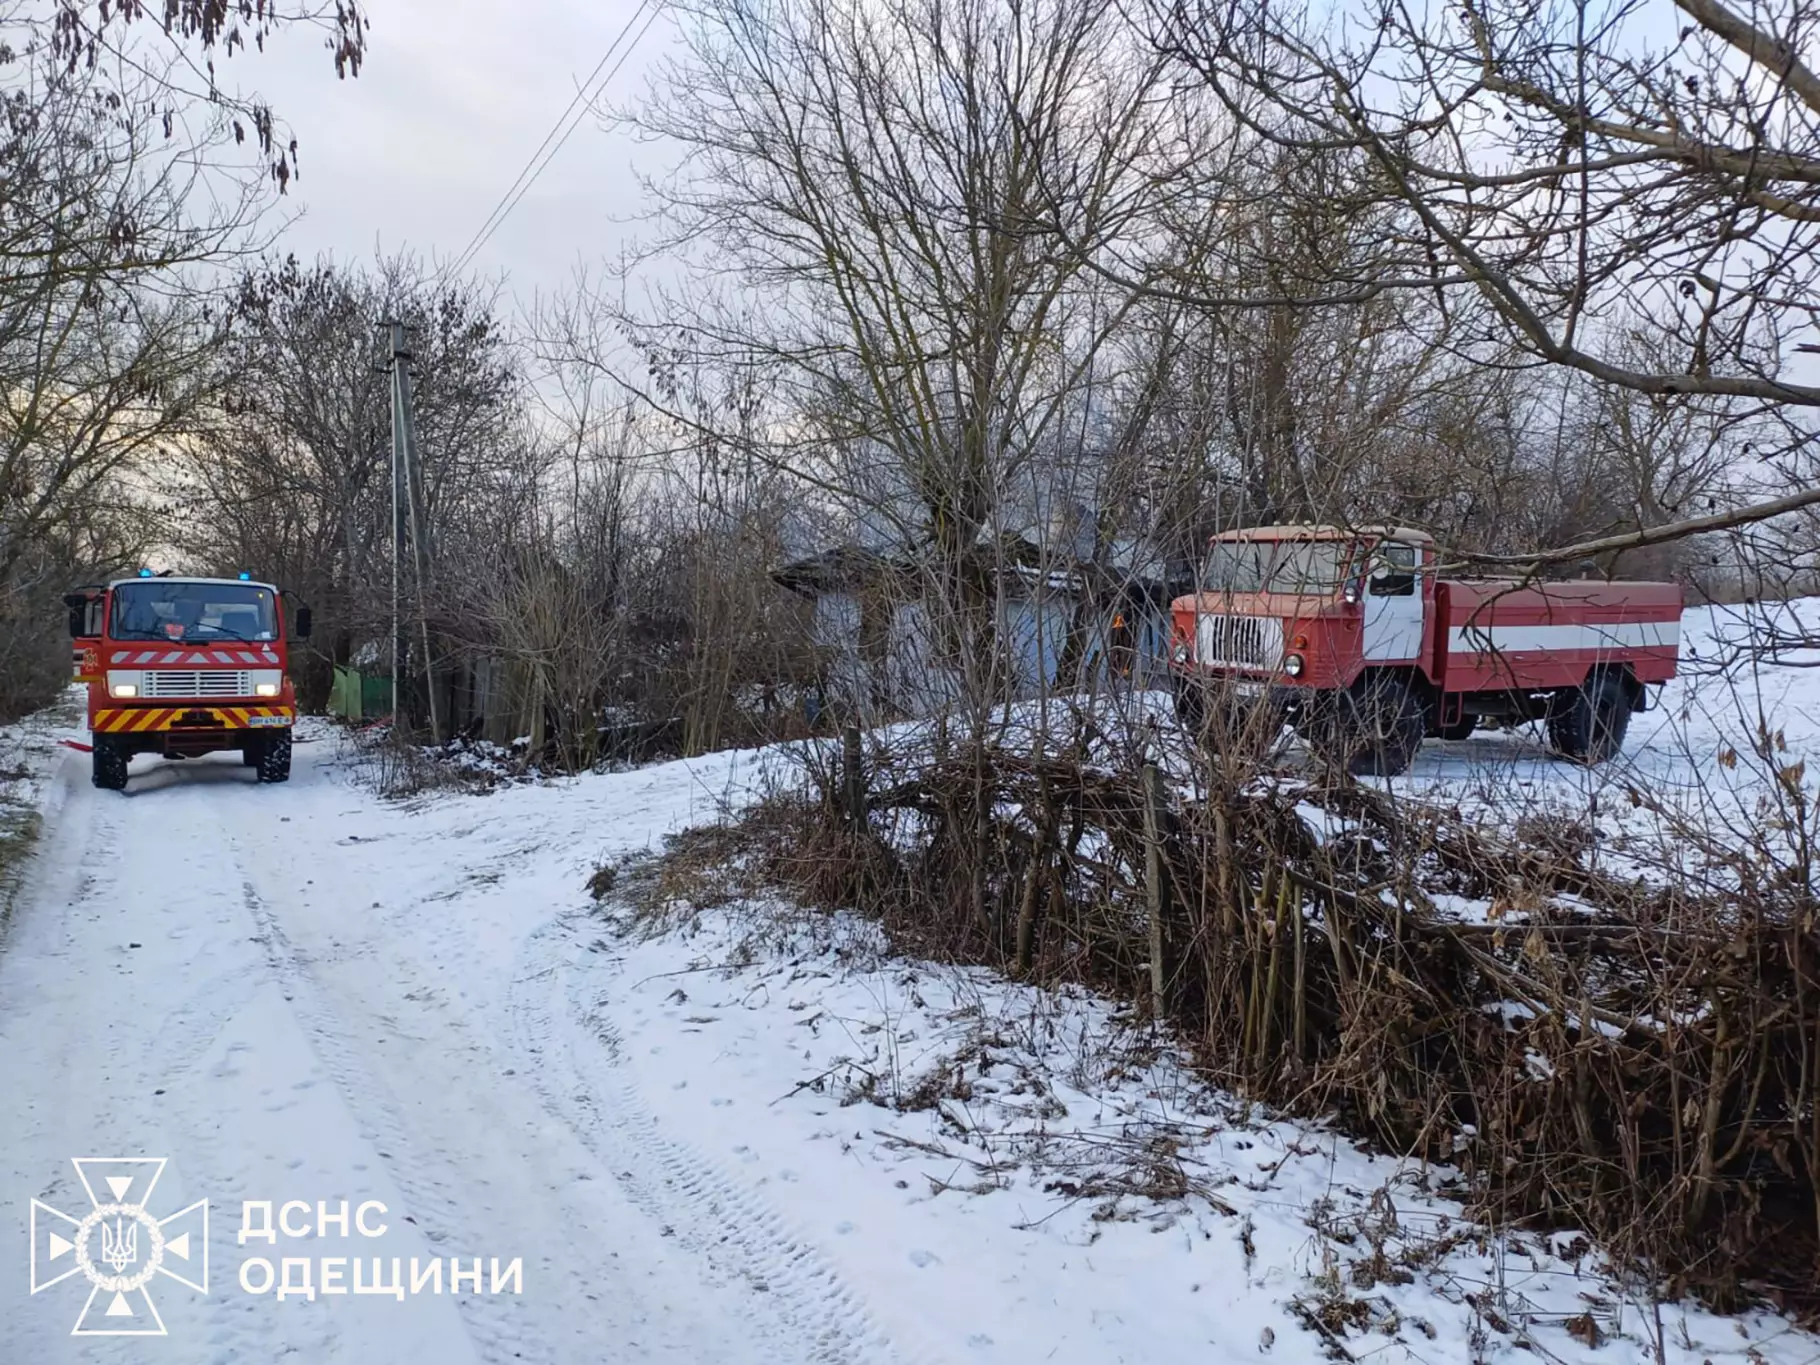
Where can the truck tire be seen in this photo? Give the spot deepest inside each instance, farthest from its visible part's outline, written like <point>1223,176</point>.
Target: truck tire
<point>1377,727</point>
<point>1460,729</point>
<point>275,757</point>
<point>109,766</point>
<point>1221,723</point>
<point>1588,724</point>
<point>1191,707</point>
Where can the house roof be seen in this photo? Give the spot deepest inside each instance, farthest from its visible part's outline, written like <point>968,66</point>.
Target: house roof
<point>1312,531</point>
<point>839,568</point>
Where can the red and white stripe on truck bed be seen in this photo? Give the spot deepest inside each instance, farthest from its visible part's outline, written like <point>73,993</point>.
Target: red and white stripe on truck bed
<point>1495,635</point>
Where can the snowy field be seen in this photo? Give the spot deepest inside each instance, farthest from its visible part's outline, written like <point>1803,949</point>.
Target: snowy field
<point>754,1138</point>
<point>1693,755</point>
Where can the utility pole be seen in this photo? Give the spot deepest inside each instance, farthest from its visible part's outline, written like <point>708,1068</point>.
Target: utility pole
<point>409,517</point>
<point>399,357</point>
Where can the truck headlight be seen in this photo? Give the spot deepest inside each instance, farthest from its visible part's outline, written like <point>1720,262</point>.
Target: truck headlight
<point>1293,665</point>
<point>124,689</point>
<point>265,690</point>
<point>1180,652</point>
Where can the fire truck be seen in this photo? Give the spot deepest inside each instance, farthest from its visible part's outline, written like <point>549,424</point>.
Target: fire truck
<point>181,667</point>
<point>1352,638</point>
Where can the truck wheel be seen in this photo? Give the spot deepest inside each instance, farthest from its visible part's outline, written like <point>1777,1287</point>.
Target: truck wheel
<point>1377,729</point>
<point>1219,722</point>
<point>275,757</point>
<point>1460,729</point>
<point>109,766</point>
<point>1191,707</point>
<point>1589,723</point>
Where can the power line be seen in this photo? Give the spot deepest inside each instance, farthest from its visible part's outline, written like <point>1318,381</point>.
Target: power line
<point>581,97</point>
<point>527,175</point>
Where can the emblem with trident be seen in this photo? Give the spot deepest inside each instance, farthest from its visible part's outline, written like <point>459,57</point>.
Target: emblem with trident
<point>119,1245</point>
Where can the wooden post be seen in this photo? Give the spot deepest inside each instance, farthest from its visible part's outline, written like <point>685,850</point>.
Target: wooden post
<point>1222,854</point>
<point>1045,845</point>
<point>1268,1005</point>
<point>853,779</point>
<point>1156,879</point>
<point>1300,1004</point>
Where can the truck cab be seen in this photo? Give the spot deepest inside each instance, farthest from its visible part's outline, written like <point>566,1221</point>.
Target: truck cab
<point>184,666</point>
<point>1351,636</point>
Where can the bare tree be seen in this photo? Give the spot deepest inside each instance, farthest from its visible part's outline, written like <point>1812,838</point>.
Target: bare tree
<point>111,40</point>
<point>126,184</point>
<point>104,337</point>
<point>293,473</point>
<point>671,524</point>
<point>1568,172</point>
<point>858,190</point>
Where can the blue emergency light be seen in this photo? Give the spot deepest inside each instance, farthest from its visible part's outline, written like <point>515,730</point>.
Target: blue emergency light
<point>245,577</point>
<point>145,573</point>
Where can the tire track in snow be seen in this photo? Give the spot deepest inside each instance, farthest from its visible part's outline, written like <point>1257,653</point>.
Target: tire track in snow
<point>191,1028</point>
<point>497,1330</point>
<point>86,902</point>
<point>709,1212</point>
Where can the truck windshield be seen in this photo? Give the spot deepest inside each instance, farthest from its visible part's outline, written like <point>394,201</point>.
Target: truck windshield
<point>158,609</point>
<point>1315,567</point>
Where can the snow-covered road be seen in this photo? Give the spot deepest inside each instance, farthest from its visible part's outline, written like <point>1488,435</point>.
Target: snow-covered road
<point>302,993</point>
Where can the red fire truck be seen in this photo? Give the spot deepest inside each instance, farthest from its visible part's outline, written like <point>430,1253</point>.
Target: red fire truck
<point>186,666</point>
<point>1350,636</point>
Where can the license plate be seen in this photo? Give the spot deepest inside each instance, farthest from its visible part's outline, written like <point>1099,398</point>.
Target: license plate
<point>268,720</point>
<point>1248,687</point>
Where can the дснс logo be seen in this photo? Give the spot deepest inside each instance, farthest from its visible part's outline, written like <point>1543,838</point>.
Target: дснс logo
<point>119,1247</point>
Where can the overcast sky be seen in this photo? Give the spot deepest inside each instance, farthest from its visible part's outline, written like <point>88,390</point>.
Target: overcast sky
<point>454,98</point>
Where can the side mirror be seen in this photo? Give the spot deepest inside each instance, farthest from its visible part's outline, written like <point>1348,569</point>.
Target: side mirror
<point>302,632</point>
<point>78,618</point>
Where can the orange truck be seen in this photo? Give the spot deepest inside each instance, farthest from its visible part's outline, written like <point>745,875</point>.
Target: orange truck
<point>1352,637</point>
<point>181,667</point>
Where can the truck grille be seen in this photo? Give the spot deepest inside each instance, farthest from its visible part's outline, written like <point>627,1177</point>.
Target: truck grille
<point>189,682</point>
<point>1239,641</point>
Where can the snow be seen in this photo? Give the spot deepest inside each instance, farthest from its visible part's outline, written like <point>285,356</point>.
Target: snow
<point>963,1152</point>
<point>752,1136</point>
<point>302,992</point>
<point>31,756</point>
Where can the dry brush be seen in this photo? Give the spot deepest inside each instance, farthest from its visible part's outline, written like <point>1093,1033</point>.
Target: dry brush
<point>1635,1056</point>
